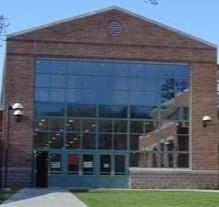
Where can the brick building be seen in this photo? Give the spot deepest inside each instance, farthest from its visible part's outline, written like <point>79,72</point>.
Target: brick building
<point>110,99</point>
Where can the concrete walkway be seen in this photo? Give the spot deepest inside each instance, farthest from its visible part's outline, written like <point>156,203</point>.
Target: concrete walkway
<point>28,197</point>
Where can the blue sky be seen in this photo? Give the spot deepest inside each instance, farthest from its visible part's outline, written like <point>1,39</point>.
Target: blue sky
<point>196,17</point>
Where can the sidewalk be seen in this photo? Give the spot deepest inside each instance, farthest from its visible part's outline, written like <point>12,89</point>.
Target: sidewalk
<point>28,197</point>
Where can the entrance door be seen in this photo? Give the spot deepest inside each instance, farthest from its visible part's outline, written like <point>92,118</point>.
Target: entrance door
<point>42,169</point>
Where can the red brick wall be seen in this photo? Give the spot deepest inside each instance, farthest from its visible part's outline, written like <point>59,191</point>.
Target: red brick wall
<point>88,38</point>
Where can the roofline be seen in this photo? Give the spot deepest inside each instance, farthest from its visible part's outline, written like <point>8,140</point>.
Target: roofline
<point>118,9</point>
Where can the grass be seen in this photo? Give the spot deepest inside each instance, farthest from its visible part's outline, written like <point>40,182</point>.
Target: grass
<point>4,195</point>
<point>119,198</point>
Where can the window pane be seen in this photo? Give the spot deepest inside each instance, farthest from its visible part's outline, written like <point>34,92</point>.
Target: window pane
<point>89,125</point>
<point>55,163</point>
<point>58,81</point>
<point>40,124</point>
<point>42,94</point>
<point>88,164</point>
<point>105,164</point>
<point>56,124</point>
<point>40,140</point>
<point>89,141</point>
<point>58,66</point>
<point>113,111</point>
<point>183,142</point>
<point>183,160</point>
<point>105,141</point>
<point>74,125</point>
<point>120,141</point>
<point>49,109</point>
<point>73,164</point>
<point>135,142</point>
<point>56,140</point>
<point>120,126</point>
<point>57,95</point>
<point>43,66</point>
<point>105,125</point>
<point>73,140</point>
<point>143,112</point>
<point>119,165</point>
<point>42,80</point>
<point>79,110</point>
<point>136,127</point>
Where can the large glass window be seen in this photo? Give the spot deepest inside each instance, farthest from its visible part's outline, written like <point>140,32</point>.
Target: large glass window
<point>138,109</point>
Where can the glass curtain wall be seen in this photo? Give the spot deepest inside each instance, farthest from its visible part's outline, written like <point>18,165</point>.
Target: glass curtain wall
<point>141,109</point>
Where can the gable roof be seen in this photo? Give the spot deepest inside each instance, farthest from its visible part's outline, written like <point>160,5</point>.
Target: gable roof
<point>118,9</point>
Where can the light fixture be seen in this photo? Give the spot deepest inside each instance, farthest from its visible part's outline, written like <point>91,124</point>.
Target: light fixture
<point>17,111</point>
<point>206,120</point>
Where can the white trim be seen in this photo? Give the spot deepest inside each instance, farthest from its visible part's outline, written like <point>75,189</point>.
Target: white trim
<point>112,60</point>
<point>162,170</point>
<point>121,10</point>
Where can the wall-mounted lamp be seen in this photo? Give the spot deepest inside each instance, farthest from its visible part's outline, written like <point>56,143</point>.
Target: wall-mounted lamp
<point>17,111</point>
<point>206,120</point>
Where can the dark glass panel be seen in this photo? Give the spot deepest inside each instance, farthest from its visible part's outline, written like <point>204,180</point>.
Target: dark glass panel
<point>120,126</point>
<point>49,109</point>
<point>136,127</point>
<point>40,124</point>
<point>105,164</point>
<point>113,111</point>
<point>134,157</point>
<point>105,141</point>
<point>143,112</point>
<point>73,164</point>
<point>81,110</point>
<point>73,140</point>
<point>119,165</point>
<point>89,125</point>
<point>74,125</point>
<point>186,113</point>
<point>182,128</point>
<point>170,160</point>
<point>183,160</point>
<point>183,142</point>
<point>40,140</point>
<point>135,142</point>
<point>170,146</point>
<point>120,141</point>
<point>89,141</point>
<point>105,125</point>
<point>88,164</point>
<point>56,124</point>
<point>55,164</point>
<point>56,140</point>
